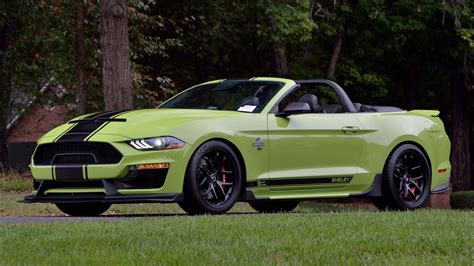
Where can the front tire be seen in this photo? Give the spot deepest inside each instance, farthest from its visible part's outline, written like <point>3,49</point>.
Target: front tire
<point>274,206</point>
<point>406,180</point>
<point>213,179</point>
<point>83,209</point>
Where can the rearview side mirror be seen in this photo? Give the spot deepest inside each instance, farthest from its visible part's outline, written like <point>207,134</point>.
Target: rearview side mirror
<point>294,108</point>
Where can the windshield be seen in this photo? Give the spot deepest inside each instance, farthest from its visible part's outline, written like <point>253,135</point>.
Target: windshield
<point>230,95</point>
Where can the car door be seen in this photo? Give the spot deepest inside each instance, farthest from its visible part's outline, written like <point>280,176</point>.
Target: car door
<point>313,148</point>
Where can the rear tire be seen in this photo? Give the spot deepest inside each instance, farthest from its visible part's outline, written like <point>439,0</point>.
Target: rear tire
<point>83,209</point>
<point>406,180</point>
<point>213,180</point>
<point>274,206</point>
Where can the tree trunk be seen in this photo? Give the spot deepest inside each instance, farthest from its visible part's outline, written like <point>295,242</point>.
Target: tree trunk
<point>336,52</point>
<point>6,40</point>
<point>281,59</point>
<point>460,153</point>
<point>115,55</point>
<point>305,52</point>
<point>5,93</point>
<point>411,90</point>
<point>80,58</point>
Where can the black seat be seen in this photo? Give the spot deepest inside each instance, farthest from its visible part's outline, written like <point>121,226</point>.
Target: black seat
<point>312,101</point>
<point>357,106</point>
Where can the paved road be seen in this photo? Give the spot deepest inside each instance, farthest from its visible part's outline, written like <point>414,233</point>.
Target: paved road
<point>53,219</point>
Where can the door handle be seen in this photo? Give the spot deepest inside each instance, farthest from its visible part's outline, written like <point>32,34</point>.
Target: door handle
<point>350,129</point>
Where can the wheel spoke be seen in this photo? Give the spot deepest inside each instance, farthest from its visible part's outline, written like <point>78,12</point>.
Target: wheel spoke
<point>203,181</point>
<point>207,191</point>
<point>224,183</point>
<point>415,184</point>
<point>416,167</point>
<point>415,178</point>
<point>409,190</point>
<point>221,188</point>
<point>208,162</point>
<point>214,192</point>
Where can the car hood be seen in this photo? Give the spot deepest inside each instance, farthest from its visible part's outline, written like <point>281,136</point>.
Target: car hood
<point>159,122</point>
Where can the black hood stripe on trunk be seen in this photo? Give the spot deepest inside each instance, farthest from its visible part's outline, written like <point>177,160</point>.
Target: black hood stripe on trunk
<point>81,130</point>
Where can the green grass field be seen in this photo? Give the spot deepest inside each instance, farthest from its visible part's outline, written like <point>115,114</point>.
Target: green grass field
<point>161,234</point>
<point>357,237</point>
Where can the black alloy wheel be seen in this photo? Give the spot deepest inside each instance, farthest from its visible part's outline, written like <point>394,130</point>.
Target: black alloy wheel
<point>406,180</point>
<point>410,177</point>
<point>213,179</point>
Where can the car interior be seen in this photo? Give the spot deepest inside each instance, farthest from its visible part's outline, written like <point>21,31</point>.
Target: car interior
<point>327,102</point>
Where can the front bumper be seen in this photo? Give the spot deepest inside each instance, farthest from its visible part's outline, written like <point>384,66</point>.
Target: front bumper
<point>114,183</point>
<point>106,191</point>
<point>93,197</point>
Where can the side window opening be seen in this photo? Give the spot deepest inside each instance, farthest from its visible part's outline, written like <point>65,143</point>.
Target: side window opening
<point>325,100</point>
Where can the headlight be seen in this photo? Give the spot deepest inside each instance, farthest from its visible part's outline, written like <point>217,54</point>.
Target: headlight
<point>159,143</point>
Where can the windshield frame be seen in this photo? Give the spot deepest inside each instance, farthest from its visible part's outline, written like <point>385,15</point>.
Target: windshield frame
<point>285,85</point>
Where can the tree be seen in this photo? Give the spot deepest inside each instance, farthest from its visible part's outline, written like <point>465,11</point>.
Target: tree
<point>116,76</point>
<point>343,7</point>
<point>285,23</point>
<point>79,58</point>
<point>6,39</point>
<point>460,82</point>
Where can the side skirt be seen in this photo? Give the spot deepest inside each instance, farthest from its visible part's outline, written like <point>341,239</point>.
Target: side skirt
<point>375,190</point>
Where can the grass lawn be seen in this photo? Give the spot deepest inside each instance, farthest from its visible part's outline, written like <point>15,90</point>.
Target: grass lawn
<point>313,234</point>
<point>357,237</point>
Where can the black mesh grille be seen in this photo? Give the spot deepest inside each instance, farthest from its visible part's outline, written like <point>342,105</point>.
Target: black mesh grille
<point>151,178</point>
<point>76,153</point>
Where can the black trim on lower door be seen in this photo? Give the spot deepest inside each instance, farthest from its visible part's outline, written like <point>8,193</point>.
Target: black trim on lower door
<point>300,181</point>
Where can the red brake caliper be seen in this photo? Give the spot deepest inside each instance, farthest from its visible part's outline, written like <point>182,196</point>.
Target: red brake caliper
<point>223,174</point>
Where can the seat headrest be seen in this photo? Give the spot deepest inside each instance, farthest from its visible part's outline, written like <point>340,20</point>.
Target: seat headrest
<point>250,100</point>
<point>311,100</point>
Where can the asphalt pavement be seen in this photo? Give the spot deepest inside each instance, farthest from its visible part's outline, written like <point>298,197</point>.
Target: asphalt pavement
<point>53,219</point>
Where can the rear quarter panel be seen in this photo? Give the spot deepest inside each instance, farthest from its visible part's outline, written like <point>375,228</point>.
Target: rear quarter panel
<point>385,131</point>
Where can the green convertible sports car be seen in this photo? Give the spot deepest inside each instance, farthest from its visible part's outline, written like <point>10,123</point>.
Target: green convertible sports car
<point>269,141</point>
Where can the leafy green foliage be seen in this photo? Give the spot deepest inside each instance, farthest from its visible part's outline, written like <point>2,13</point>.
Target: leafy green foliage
<point>285,21</point>
<point>399,52</point>
<point>389,47</point>
<point>39,48</point>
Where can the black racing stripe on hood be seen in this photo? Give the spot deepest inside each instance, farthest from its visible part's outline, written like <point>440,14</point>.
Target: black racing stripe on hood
<point>81,130</point>
<point>102,126</point>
